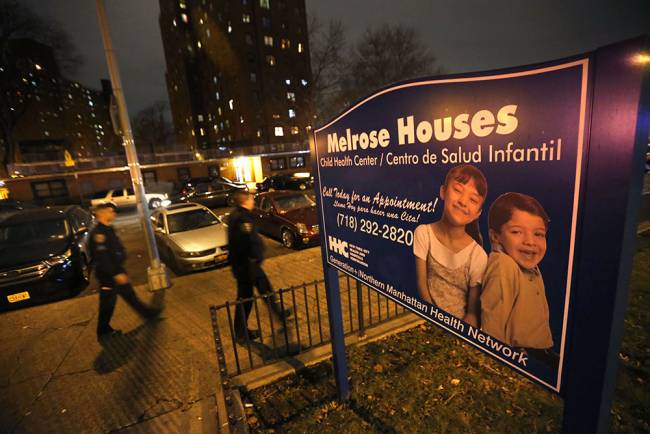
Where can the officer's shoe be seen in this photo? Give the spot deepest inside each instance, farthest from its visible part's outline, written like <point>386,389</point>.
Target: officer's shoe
<point>283,314</point>
<point>252,335</point>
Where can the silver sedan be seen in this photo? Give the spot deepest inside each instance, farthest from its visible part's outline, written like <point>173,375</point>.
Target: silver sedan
<point>190,237</point>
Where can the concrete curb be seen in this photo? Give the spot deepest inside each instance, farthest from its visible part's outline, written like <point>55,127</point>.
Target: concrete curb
<point>271,373</point>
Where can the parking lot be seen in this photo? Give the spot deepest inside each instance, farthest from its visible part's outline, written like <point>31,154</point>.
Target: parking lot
<point>129,229</point>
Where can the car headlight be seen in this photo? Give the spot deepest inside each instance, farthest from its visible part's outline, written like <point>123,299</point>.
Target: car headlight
<point>59,259</point>
<point>302,228</point>
<point>188,254</point>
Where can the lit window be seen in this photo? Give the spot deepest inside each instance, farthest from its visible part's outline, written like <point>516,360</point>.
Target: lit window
<point>268,40</point>
<point>303,82</point>
<point>292,113</point>
<point>246,18</point>
<point>285,43</point>
<point>229,27</point>
<point>279,131</point>
<point>291,96</point>
<point>270,60</point>
<point>201,131</point>
<point>231,104</point>
<point>200,118</point>
<point>214,79</point>
<point>198,44</point>
<point>207,33</point>
<point>265,4</point>
<point>184,18</point>
<point>216,95</point>
<point>216,128</point>
<point>300,47</point>
<point>182,4</point>
<point>288,82</point>
<point>219,110</point>
<point>253,77</point>
<point>47,133</point>
<point>259,133</point>
<point>276,116</point>
<point>241,119</point>
<point>90,103</point>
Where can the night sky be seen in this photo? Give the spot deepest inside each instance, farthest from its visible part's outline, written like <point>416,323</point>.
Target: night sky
<point>463,35</point>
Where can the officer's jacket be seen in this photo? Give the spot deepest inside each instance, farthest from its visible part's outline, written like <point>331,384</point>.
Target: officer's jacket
<point>107,252</point>
<point>245,246</point>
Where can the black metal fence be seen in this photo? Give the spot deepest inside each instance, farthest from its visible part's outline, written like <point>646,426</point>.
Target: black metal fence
<point>307,328</point>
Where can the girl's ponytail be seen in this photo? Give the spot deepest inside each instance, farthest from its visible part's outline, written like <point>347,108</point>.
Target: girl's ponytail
<point>474,231</point>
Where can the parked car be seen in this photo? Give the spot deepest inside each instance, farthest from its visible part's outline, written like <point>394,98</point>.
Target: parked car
<point>286,182</point>
<point>43,254</point>
<point>209,193</point>
<point>125,197</point>
<point>190,237</point>
<point>190,184</point>
<point>289,216</point>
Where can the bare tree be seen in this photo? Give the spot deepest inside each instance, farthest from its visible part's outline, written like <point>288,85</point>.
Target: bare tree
<point>328,45</point>
<point>152,131</point>
<point>385,55</point>
<point>19,74</point>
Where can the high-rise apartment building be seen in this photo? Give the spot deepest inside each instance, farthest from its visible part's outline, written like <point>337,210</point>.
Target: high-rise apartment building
<point>238,71</point>
<point>58,118</point>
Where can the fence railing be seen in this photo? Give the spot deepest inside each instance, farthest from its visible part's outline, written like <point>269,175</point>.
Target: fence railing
<point>307,328</point>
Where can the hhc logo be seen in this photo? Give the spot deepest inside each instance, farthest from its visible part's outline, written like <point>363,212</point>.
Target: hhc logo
<point>338,246</point>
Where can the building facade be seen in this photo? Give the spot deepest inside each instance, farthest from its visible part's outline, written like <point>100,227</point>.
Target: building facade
<point>238,72</point>
<point>60,119</point>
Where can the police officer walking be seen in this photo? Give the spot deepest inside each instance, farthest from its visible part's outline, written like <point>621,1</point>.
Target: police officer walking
<point>108,258</point>
<point>246,253</point>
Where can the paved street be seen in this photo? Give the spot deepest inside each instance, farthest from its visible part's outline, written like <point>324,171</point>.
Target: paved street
<point>158,377</point>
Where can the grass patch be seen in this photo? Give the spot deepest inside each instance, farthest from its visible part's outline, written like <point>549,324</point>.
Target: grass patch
<point>425,380</point>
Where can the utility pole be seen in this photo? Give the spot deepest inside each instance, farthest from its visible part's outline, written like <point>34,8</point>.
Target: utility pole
<point>157,274</point>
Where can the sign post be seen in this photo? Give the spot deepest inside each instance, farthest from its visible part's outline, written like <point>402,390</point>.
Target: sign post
<point>501,207</point>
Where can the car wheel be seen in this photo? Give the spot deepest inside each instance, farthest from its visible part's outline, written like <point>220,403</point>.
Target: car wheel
<point>154,203</point>
<point>288,239</point>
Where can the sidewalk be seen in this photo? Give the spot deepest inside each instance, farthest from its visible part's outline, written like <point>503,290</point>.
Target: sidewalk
<point>159,377</point>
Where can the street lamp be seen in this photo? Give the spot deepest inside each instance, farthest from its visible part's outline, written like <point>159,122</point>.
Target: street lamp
<point>157,274</point>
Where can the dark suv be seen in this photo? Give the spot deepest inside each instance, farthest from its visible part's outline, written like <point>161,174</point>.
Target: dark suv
<point>43,254</point>
<point>210,192</point>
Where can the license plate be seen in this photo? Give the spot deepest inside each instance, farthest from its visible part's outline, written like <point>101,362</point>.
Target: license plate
<point>13,298</point>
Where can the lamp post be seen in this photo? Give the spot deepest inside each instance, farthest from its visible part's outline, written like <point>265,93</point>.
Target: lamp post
<point>157,274</point>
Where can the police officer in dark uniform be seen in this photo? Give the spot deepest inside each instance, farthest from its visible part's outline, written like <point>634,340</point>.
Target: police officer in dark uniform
<point>246,253</point>
<point>108,257</point>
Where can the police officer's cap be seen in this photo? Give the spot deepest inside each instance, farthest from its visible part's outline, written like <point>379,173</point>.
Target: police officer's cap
<point>106,205</point>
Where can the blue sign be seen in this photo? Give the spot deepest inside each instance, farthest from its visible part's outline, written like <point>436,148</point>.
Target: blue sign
<point>459,199</point>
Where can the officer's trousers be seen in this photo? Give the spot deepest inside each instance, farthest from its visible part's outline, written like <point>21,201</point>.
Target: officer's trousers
<point>246,280</point>
<point>107,300</point>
